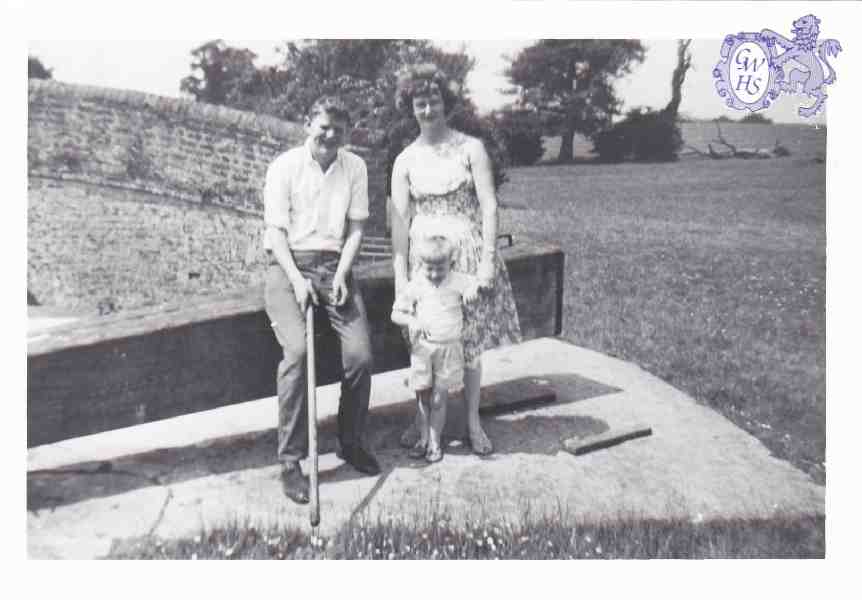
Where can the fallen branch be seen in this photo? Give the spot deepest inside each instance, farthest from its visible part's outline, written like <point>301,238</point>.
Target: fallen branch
<point>695,150</point>
<point>735,152</point>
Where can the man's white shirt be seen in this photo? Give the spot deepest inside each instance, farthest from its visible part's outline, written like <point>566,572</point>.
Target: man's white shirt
<point>313,206</point>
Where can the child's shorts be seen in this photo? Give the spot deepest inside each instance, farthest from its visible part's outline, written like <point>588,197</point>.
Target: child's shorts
<point>439,365</point>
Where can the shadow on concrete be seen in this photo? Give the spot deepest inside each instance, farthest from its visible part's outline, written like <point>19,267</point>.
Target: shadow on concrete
<point>508,423</point>
<point>530,434</point>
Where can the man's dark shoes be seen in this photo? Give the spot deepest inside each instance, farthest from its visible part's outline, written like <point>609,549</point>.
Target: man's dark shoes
<point>294,484</point>
<point>360,459</point>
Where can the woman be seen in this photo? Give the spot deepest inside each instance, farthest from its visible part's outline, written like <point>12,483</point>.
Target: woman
<point>443,182</point>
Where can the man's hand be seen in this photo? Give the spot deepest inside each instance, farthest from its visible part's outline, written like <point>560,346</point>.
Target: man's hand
<point>400,284</point>
<point>471,292</point>
<point>485,275</point>
<point>303,289</point>
<point>340,290</point>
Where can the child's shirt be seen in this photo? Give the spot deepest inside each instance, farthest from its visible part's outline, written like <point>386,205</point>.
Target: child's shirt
<point>437,308</point>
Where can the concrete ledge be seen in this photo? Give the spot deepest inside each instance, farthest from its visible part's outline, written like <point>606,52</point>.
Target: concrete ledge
<point>172,477</point>
<point>143,365</point>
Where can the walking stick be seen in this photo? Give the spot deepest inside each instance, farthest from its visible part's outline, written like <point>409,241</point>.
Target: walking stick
<point>311,377</point>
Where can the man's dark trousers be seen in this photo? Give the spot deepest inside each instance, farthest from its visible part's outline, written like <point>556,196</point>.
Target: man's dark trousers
<point>349,322</point>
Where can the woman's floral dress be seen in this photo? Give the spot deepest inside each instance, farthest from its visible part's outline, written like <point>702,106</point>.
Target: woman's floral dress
<point>443,200</point>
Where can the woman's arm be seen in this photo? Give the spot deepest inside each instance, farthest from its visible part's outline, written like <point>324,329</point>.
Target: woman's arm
<point>483,177</point>
<point>469,287</point>
<point>400,223</point>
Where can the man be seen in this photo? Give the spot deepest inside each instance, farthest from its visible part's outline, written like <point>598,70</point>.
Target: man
<point>315,205</point>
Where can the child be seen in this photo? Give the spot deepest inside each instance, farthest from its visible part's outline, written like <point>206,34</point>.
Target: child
<point>430,305</point>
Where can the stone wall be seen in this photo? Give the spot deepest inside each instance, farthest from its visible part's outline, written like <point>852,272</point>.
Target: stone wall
<point>95,246</point>
<point>135,198</point>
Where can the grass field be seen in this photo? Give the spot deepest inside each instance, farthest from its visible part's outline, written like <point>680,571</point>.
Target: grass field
<point>708,274</point>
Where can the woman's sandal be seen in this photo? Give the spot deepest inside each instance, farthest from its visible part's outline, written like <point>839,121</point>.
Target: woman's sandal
<point>434,454</point>
<point>481,445</point>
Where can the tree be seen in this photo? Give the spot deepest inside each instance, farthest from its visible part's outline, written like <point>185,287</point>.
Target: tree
<point>644,134</point>
<point>36,70</point>
<point>570,82</point>
<point>362,71</point>
<point>647,134</point>
<point>756,118</point>
<point>683,64</point>
<point>522,131</point>
<point>225,73</point>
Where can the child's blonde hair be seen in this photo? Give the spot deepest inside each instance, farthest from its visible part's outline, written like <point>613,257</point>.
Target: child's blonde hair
<point>434,248</point>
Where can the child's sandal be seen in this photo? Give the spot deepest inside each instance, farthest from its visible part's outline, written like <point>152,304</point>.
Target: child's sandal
<point>418,450</point>
<point>409,437</point>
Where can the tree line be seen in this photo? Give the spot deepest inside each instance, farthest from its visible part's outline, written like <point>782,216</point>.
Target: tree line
<point>557,87</point>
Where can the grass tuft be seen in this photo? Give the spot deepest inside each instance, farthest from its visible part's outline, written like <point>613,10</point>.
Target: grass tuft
<point>545,538</point>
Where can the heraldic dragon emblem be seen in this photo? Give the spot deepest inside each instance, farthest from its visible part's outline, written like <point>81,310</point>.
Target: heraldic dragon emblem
<point>808,52</point>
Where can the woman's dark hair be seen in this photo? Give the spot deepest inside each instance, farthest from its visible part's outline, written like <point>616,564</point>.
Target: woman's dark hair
<point>460,113</point>
<point>405,130</point>
<point>423,80</point>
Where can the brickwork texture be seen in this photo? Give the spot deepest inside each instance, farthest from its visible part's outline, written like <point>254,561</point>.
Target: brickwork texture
<point>136,199</point>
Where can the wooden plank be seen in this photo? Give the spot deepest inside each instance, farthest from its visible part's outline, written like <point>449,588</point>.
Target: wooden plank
<point>108,372</point>
<point>578,446</point>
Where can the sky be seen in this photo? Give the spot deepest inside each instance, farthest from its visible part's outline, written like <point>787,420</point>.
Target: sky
<point>158,67</point>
